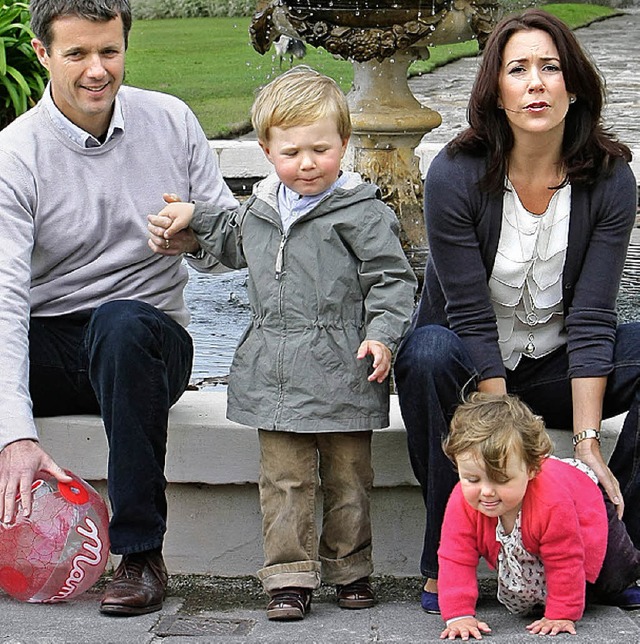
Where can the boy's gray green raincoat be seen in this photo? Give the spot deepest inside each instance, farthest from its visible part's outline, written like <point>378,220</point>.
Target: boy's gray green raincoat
<point>336,277</point>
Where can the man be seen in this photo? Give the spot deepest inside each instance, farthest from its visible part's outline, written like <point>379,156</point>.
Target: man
<point>91,320</point>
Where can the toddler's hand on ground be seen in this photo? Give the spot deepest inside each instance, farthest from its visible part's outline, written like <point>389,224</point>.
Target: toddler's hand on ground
<point>546,626</point>
<point>381,359</point>
<point>464,628</point>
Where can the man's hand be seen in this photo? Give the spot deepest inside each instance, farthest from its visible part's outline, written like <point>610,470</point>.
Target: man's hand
<point>183,241</point>
<point>546,626</point>
<point>169,232</point>
<point>464,628</point>
<point>19,464</point>
<point>381,359</point>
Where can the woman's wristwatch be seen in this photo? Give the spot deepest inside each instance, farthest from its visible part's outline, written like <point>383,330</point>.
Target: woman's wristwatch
<point>584,434</point>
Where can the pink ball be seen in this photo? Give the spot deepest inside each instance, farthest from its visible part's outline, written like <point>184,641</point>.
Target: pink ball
<point>61,549</point>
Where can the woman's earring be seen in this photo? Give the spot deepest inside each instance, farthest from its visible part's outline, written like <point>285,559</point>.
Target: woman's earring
<point>572,100</point>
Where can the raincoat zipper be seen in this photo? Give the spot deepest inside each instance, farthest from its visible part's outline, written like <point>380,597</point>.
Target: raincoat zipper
<point>280,255</point>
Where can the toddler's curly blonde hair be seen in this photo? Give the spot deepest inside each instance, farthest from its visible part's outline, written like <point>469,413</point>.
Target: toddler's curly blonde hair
<point>494,427</point>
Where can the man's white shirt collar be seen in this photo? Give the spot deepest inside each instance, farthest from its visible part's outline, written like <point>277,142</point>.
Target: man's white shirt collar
<point>79,136</point>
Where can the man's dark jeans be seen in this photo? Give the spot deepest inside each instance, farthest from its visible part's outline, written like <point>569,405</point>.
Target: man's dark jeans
<point>433,372</point>
<point>128,362</point>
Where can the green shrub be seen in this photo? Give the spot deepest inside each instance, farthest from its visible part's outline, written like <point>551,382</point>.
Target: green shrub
<point>152,9</point>
<point>22,78</point>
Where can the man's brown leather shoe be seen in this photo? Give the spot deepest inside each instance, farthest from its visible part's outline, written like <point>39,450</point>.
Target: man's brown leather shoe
<point>138,587</point>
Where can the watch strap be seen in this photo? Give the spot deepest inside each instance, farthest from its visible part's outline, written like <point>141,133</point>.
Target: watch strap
<point>584,434</point>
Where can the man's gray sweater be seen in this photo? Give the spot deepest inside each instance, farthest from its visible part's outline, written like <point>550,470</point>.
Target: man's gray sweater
<point>74,223</point>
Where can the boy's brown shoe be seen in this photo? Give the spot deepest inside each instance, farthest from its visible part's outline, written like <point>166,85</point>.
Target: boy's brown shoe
<point>288,604</point>
<point>357,594</point>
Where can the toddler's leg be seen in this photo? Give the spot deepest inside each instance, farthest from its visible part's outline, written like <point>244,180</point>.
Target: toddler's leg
<point>616,583</point>
<point>345,544</point>
<point>288,483</point>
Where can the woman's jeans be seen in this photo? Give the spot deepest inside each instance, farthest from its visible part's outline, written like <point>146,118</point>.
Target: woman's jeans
<point>433,372</point>
<point>128,362</point>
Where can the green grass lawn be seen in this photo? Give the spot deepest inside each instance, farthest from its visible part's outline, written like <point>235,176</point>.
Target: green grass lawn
<point>210,63</point>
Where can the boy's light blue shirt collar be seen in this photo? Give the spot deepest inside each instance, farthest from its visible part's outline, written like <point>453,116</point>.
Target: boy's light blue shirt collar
<point>292,205</point>
<point>77,134</point>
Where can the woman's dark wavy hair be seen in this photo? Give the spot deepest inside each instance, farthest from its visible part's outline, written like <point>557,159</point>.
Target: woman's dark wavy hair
<point>588,150</point>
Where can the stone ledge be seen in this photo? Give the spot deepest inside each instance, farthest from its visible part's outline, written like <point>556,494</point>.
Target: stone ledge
<point>214,522</point>
<point>205,447</point>
<point>245,160</point>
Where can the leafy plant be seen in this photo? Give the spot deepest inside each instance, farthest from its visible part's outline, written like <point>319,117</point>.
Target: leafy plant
<point>22,78</point>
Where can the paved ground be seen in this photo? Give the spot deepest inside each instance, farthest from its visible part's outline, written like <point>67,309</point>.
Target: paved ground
<point>184,621</point>
<point>209,610</point>
<point>614,46</point>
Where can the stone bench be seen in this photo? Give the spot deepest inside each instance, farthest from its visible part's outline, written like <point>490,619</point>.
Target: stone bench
<point>214,524</point>
<point>242,162</point>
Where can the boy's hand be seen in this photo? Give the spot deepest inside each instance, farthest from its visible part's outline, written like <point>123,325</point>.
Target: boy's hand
<point>464,628</point>
<point>381,359</point>
<point>169,232</point>
<point>546,626</point>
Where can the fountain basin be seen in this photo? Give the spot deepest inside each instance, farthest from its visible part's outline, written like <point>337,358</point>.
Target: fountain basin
<point>362,30</point>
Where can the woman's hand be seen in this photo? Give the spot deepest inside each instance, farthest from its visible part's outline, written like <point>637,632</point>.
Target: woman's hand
<point>588,451</point>
<point>546,626</point>
<point>588,396</point>
<point>464,628</point>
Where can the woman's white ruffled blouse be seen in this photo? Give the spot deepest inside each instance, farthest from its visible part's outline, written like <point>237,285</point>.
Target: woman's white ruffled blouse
<point>526,282</point>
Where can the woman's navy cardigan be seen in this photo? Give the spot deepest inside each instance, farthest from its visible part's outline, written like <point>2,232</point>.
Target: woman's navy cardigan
<point>463,228</point>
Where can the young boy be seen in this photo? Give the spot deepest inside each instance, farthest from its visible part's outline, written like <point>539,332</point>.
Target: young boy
<point>331,295</point>
<point>540,521</point>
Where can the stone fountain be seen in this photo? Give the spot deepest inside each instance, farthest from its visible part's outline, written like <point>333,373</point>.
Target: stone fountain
<point>382,38</point>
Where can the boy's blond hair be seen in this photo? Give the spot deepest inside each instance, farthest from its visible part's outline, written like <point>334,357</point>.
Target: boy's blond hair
<point>300,96</point>
<point>494,427</point>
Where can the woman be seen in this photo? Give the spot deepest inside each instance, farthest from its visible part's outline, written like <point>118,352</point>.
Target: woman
<point>528,213</point>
